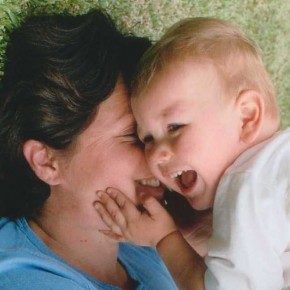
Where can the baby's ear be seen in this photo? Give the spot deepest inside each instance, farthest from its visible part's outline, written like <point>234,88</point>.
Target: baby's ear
<point>42,160</point>
<point>250,104</point>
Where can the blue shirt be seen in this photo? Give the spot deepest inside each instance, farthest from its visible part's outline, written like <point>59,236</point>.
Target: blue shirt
<point>27,263</point>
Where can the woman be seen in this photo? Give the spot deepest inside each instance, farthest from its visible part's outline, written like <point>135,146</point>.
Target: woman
<point>66,131</point>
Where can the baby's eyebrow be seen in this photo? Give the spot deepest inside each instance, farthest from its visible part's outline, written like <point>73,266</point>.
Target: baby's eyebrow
<point>166,111</point>
<point>171,109</point>
<point>139,131</point>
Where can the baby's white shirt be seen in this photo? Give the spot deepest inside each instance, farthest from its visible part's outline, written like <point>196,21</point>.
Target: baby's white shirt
<point>250,246</point>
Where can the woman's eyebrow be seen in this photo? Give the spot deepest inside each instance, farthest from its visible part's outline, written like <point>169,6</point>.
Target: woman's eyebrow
<point>130,128</point>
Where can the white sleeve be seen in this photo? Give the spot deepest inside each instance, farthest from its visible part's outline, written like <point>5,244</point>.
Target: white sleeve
<point>250,223</point>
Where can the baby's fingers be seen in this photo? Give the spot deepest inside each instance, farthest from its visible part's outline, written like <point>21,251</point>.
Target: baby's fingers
<point>107,218</point>
<point>112,235</point>
<point>126,206</point>
<point>153,207</point>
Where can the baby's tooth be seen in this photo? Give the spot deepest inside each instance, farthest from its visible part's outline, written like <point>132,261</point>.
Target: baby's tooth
<point>175,174</point>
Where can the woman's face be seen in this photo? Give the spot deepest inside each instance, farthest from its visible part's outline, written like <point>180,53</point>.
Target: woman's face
<point>105,155</point>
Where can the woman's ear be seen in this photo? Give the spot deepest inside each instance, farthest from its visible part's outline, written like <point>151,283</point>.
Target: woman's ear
<point>41,159</point>
<point>250,104</point>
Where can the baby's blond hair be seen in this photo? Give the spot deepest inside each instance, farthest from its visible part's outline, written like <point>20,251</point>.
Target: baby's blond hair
<point>235,56</point>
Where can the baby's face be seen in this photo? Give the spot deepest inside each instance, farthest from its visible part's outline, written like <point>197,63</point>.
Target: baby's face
<point>191,134</point>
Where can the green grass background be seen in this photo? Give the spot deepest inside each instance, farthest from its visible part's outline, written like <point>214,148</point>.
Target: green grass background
<point>266,21</point>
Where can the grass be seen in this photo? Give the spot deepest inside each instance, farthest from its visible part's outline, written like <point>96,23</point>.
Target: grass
<point>266,21</point>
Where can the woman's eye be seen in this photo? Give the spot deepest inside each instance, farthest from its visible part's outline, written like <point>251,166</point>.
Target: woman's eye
<point>174,127</point>
<point>132,137</point>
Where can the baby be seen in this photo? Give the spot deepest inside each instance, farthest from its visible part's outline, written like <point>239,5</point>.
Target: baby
<point>208,117</point>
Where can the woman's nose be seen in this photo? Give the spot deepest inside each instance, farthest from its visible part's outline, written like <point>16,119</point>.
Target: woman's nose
<point>159,153</point>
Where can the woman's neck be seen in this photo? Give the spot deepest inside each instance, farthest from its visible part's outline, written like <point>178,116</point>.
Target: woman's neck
<point>81,246</point>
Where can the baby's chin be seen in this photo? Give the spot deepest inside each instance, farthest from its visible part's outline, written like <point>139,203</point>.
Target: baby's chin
<point>200,202</point>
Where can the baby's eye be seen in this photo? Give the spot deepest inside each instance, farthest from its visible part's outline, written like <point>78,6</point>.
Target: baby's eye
<point>147,139</point>
<point>174,127</point>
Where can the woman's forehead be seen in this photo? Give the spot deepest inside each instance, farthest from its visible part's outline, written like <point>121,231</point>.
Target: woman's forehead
<point>113,114</point>
<point>116,106</point>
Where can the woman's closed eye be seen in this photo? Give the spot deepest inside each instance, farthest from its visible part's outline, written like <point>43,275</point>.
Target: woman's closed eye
<point>133,138</point>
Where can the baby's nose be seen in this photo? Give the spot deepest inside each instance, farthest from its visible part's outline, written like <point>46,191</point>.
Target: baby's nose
<point>160,153</point>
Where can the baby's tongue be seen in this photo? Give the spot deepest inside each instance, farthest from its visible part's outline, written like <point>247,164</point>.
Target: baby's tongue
<point>188,178</point>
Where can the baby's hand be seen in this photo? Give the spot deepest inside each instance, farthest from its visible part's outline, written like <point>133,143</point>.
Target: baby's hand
<point>127,223</point>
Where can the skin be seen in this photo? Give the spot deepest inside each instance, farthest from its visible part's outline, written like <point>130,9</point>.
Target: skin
<point>105,154</point>
<point>186,122</point>
<point>188,128</point>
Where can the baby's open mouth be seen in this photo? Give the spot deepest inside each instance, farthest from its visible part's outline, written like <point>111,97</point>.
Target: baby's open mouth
<point>186,179</point>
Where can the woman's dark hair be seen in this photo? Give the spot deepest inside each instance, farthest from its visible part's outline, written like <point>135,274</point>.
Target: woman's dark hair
<point>59,69</point>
